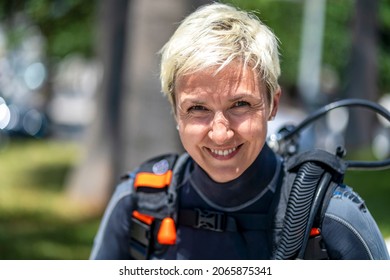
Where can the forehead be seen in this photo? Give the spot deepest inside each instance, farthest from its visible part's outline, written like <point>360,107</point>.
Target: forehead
<point>231,80</point>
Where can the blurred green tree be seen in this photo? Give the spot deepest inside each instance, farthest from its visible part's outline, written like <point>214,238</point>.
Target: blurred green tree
<point>67,25</point>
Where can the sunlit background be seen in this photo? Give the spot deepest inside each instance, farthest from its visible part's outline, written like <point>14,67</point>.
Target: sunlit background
<point>80,103</point>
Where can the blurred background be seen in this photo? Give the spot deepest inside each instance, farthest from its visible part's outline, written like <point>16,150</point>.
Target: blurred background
<point>80,103</point>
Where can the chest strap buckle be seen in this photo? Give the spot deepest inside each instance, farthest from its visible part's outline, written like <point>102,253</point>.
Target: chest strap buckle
<point>210,220</point>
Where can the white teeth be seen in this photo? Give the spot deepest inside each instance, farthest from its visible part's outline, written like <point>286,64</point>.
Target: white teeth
<point>223,152</point>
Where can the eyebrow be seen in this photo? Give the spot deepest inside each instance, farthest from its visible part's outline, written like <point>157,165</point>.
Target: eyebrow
<point>243,96</point>
<point>192,101</point>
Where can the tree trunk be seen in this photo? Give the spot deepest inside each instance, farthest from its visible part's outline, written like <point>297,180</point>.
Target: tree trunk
<point>89,180</point>
<point>363,72</point>
<point>149,127</point>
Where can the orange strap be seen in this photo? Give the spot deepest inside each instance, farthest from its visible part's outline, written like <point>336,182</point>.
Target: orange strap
<point>146,179</point>
<point>143,217</point>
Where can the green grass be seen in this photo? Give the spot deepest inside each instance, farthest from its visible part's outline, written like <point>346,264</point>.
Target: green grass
<point>374,188</point>
<point>37,220</point>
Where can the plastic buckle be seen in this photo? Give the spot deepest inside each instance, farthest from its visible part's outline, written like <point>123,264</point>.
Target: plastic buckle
<point>210,220</point>
<point>140,239</point>
<point>315,249</point>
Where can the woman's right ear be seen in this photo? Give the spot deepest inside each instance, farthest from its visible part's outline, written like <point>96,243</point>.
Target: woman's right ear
<point>275,104</point>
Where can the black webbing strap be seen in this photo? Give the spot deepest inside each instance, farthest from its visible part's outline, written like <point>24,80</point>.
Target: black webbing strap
<point>220,221</point>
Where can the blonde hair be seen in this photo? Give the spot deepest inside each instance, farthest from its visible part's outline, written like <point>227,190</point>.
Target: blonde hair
<point>215,35</point>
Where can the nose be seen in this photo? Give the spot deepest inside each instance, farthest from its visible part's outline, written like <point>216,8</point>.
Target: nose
<point>220,132</point>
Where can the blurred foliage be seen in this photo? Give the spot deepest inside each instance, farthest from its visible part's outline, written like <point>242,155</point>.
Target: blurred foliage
<point>68,26</point>
<point>338,36</point>
<point>37,219</point>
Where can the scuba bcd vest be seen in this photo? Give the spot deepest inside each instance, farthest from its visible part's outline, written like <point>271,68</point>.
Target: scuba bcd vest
<point>311,178</point>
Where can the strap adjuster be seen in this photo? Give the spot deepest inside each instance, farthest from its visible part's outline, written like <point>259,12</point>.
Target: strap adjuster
<point>210,220</point>
<point>141,235</point>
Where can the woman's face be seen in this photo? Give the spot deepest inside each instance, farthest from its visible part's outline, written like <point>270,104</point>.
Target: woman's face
<point>222,119</point>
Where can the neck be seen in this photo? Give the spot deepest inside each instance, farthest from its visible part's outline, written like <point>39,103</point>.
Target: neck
<point>242,189</point>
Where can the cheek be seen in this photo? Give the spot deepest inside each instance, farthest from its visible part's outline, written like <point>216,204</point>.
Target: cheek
<point>252,128</point>
<point>191,133</point>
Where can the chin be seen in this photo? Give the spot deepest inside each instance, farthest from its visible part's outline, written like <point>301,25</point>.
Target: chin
<point>224,177</point>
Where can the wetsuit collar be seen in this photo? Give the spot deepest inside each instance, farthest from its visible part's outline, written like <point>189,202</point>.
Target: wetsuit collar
<point>242,189</point>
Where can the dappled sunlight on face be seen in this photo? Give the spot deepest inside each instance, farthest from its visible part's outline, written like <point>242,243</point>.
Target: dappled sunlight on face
<point>222,119</point>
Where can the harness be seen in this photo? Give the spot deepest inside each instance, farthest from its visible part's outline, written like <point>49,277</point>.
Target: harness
<point>310,180</point>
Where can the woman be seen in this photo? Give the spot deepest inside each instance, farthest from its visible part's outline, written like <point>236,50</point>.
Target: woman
<point>220,73</point>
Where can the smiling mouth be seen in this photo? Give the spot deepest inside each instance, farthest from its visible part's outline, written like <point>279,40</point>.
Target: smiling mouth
<point>224,153</point>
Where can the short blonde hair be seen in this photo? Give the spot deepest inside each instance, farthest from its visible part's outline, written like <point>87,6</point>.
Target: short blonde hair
<point>215,35</point>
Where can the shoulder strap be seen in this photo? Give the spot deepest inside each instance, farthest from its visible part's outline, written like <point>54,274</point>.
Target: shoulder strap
<point>151,183</point>
<point>154,205</point>
<point>315,172</point>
